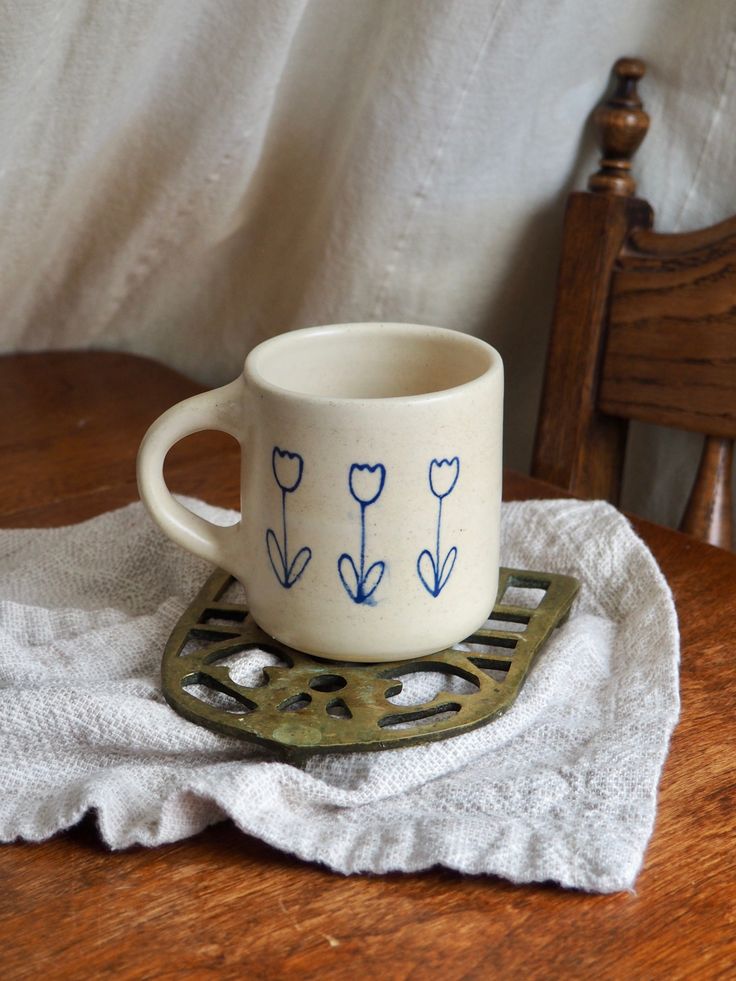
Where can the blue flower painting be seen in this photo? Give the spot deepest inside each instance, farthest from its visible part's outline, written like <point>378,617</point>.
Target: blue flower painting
<point>434,570</point>
<point>366,484</point>
<point>287,471</point>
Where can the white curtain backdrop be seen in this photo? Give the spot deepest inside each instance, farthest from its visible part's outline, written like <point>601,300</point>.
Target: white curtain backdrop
<point>183,178</point>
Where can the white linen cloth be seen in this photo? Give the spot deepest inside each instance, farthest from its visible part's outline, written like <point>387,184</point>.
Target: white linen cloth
<point>187,177</point>
<point>561,788</point>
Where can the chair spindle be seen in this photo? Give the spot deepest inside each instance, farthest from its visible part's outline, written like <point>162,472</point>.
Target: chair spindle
<point>709,509</point>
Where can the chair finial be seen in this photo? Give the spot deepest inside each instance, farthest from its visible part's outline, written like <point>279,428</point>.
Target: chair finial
<point>622,124</point>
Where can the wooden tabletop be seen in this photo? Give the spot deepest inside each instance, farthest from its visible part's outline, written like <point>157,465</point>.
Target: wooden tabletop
<point>223,905</point>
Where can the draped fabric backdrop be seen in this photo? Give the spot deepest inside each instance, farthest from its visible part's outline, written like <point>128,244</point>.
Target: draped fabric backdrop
<point>184,178</point>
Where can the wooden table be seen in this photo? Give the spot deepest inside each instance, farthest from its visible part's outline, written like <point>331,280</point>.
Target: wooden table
<point>224,905</point>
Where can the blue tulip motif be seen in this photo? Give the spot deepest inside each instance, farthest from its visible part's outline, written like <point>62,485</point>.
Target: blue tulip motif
<point>287,470</point>
<point>433,571</point>
<point>366,483</point>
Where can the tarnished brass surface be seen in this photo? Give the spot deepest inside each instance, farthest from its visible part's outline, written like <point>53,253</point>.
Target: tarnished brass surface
<point>307,705</point>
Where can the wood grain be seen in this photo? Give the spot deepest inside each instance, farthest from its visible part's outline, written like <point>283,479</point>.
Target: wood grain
<point>670,356</point>
<point>223,905</point>
<point>81,428</point>
<point>644,328</point>
<point>570,422</point>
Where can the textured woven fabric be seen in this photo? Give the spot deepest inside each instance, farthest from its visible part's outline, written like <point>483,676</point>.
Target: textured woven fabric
<point>561,788</point>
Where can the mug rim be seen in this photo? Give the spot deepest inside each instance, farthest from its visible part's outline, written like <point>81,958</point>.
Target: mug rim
<point>252,371</point>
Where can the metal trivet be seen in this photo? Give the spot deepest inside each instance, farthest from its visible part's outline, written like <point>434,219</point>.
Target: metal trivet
<point>307,705</point>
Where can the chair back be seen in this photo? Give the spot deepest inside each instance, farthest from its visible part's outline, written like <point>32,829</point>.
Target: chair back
<point>644,328</point>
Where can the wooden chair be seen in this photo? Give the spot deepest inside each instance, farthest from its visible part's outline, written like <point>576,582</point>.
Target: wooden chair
<point>644,328</point>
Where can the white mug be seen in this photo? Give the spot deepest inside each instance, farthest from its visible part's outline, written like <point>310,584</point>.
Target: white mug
<point>371,487</point>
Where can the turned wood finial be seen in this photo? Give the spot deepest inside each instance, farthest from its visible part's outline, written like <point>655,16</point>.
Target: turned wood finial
<point>622,124</point>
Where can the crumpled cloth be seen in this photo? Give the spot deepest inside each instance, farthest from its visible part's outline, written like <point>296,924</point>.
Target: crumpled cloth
<point>563,787</point>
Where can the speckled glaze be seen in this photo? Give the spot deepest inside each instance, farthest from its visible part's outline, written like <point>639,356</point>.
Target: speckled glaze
<point>371,487</point>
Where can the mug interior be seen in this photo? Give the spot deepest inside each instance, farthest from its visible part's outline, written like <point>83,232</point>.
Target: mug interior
<point>370,361</point>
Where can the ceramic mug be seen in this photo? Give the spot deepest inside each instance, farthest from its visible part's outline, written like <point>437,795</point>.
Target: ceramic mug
<point>371,487</point>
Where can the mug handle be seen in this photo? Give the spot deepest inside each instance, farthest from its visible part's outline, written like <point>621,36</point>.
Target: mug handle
<point>220,409</point>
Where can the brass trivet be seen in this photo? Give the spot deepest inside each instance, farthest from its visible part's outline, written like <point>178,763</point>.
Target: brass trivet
<point>310,705</point>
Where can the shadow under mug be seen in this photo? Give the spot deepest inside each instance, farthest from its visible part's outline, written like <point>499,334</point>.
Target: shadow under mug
<point>370,487</point>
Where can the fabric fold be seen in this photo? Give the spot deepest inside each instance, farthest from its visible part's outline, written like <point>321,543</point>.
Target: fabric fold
<point>563,787</point>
